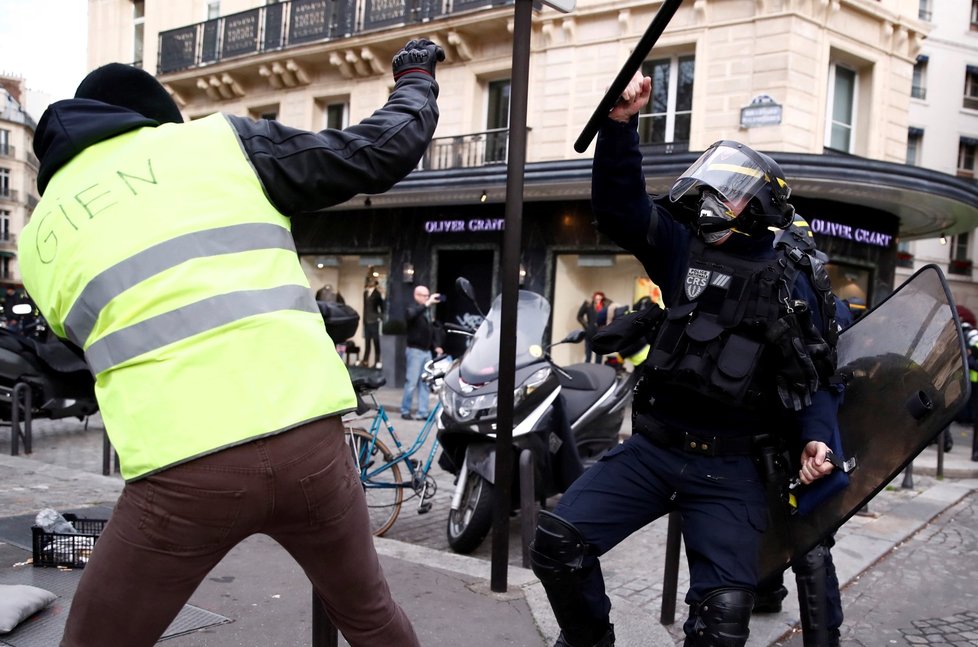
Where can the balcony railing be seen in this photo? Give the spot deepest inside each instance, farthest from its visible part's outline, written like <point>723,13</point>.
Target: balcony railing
<point>960,266</point>
<point>7,150</point>
<point>292,23</point>
<point>8,242</point>
<point>8,194</point>
<point>918,92</point>
<point>464,151</point>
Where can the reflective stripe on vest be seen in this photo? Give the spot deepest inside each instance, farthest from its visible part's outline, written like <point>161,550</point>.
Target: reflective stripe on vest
<point>159,254</point>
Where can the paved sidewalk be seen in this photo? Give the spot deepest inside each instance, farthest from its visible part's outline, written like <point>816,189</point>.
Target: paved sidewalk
<point>447,595</point>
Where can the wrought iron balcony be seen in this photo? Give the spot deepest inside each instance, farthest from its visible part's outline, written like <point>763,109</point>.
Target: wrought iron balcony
<point>8,195</point>
<point>466,151</point>
<point>292,23</point>
<point>8,242</point>
<point>7,150</point>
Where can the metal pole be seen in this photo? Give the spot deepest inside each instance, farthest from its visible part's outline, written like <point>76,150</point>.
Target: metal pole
<point>324,634</point>
<point>670,572</point>
<point>512,236</point>
<point>528,504</point>
<point>941,440</point>
<point>908,477</point>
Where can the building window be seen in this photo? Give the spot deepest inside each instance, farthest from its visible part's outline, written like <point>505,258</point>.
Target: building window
<point>213,9</point>
<point>842,109</point>
<point>971,87</point>
<point>960,255</point>
<point>924,11</point>
<point>666,118</point>
<point>915,139</point>
<point>138,20</point>
<point>264,112</point>
<point>336,115</point>
<point>5,148</point>
<point>5,182</point>
<point>5,268</point>
<point>5,225</point>
<point>919,88</point>
<point>974,15</point>
<point>497,120</point>
<point>966,157</point>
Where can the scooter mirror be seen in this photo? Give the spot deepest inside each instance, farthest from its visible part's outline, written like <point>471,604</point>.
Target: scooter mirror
<point>463,285</point>
<point>22,309</point>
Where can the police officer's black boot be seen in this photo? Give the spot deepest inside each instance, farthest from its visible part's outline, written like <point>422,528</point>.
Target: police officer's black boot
<point>770,595</point>
<point>607,640</point>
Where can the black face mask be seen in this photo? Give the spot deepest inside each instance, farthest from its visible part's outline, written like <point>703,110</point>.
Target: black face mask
<point>714,219</point>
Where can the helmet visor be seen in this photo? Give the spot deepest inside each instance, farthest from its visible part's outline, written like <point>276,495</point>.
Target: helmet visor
<point>727,169</point>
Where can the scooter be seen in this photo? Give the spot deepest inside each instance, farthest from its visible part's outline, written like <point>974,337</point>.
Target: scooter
<point>59,381</point>
<point>568,417</point>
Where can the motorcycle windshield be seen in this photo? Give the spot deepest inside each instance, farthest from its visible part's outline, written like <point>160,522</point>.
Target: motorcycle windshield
<point>480,364</point>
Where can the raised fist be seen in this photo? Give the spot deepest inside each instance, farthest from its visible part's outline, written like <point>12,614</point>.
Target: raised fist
<point>417,56</point>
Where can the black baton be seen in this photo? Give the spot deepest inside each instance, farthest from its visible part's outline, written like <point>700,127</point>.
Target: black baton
<point>634,62</point>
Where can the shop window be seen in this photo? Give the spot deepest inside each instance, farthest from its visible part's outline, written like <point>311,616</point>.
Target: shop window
<point>971,87</point>
<point>915,140</point>
<point>840,134</point>
<point>918,90</point>
<point>497,120</point>
<point>667,116</point>
<point>966,157</point>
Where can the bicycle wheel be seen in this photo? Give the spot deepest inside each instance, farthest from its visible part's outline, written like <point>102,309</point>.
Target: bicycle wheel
<point>383,489</point>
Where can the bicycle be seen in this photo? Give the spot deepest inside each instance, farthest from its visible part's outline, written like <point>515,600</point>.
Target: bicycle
<point>379,466</point>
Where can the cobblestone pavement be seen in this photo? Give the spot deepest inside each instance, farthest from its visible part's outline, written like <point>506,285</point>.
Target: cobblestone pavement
<point>916,576</point>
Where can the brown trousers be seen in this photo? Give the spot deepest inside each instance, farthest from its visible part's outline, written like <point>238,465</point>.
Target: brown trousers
<point>170,529</point>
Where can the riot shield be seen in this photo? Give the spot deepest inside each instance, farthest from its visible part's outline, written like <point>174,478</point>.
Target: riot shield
<point>907,377</point>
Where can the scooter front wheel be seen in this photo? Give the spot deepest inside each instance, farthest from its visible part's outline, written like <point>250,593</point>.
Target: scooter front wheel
<point>470,524</point>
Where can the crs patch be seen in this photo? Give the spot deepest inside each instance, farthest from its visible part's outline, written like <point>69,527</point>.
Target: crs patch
<point>697,281</point>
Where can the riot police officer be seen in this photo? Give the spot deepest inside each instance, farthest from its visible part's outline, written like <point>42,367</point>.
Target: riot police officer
<point>742,359</point>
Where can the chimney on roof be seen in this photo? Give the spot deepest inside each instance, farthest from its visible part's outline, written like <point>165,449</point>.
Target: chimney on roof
<point>14,85</point>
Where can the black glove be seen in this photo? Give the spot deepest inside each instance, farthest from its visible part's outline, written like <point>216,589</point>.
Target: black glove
<point>797,378</point>
<point>417,56</point>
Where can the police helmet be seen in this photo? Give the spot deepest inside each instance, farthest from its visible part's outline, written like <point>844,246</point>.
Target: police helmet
<point>750,183</point>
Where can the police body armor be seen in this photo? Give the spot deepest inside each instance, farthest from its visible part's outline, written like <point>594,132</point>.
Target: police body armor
<point>736,335</point>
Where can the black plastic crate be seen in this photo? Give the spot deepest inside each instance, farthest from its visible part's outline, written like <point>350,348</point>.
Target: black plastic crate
<point>64,549</point>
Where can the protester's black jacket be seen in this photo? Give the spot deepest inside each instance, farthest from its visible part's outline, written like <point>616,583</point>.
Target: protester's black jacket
<point>300,171</point>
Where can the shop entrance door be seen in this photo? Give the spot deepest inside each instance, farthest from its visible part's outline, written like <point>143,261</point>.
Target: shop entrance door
<point>478,266</point>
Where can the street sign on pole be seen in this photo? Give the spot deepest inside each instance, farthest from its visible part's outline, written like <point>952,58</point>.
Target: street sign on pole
<point>564,6</point>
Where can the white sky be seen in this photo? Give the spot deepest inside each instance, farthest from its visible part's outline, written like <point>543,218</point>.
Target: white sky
<point>46,43</point>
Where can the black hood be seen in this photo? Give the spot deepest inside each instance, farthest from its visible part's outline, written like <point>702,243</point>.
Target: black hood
<point>68,127</point>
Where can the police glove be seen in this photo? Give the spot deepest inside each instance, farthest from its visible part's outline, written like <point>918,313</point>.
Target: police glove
<point>417,56</point>
<point>797,378</point>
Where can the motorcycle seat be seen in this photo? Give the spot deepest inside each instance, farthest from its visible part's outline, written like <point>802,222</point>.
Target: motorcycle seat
<point>588,377</point>
<point>366,383</point>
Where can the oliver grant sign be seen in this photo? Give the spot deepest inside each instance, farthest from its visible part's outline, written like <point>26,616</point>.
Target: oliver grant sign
<point>460,226</point>
<point>857,234</point>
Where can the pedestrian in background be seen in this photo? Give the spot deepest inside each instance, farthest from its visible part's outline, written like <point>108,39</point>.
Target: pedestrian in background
<point>423,339</point>
<point>373,311</point>
<point>592,315</point>
<point>163,250</point>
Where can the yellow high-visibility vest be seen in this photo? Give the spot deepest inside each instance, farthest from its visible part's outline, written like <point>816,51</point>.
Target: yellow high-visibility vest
<point>157,252</point>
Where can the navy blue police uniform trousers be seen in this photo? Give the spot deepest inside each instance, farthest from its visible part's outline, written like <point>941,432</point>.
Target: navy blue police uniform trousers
<point>721,500</point>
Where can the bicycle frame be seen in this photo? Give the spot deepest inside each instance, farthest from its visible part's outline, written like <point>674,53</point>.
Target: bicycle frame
<point>382,421</point>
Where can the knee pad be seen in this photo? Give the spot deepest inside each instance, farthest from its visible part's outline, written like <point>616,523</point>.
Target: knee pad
<point>721,619</point>
<point>557,548</point>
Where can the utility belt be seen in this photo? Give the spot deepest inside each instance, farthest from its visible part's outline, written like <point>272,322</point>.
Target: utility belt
<point>703,444</point>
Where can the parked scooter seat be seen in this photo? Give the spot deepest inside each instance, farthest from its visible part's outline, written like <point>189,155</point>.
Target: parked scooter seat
<point>585,386</point>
